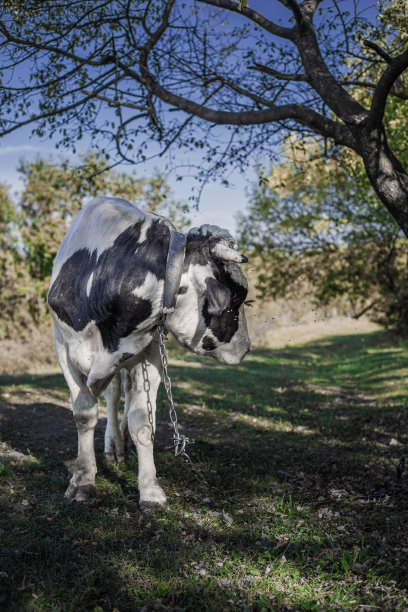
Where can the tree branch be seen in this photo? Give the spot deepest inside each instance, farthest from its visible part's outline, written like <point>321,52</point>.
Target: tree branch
<point>279,75</point>
<point>244,92</point>
<point>115,103</point>
<point>46,47</point>
<point>254,16</point>
<point>371,45</point>
<point>395,69</point>
<point>296,112</point>
<point>293,6</point>
<point>366,309</point>
<point>368,85</point>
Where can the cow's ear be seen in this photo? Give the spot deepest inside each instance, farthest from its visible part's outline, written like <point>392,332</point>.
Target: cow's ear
<point>218,296</point>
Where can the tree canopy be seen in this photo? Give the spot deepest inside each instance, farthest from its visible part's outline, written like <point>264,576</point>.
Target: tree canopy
<point>127,73</point>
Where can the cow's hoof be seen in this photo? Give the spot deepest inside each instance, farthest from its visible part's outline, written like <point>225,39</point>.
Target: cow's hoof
<point>85,492</point>
<point>148,504</point>
<point>114,458</point>
<point>152,497</point>
<point>71,491</point>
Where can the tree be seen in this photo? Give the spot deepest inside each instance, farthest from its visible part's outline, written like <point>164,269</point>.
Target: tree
<point>32,231</point>
<point>319,219</point>
<point>12,276</point>
<point>129,72</point>
<point>319,228</point>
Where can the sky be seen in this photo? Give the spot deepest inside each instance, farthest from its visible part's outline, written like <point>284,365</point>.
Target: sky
<point>218,204</point>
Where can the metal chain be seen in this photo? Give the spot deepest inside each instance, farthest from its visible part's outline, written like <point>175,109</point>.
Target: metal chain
<point>179,440</point>
<point>146,389</point>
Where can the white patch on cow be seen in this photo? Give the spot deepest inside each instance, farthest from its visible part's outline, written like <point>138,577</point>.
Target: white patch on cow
<point>143,230</point>
<point>199,275</point>
<point>152,289</point>
<point>82,345</point>
<point>89,284</point>
<point>136,342</point>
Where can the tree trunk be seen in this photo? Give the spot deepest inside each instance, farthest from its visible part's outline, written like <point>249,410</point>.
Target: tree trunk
<point>385,172</point>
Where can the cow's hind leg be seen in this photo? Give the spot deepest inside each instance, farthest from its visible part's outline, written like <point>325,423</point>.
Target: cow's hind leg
<point>141,418</point>
<point>85,408</point>
<point>114,450</point>
<point>124,429</point>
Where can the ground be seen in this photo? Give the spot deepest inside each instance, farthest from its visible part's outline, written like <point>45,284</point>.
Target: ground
<point>300,446</point>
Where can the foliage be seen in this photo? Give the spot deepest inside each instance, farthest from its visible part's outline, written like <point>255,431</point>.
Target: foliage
<point>301,445</point>
<point>141,78</point>
<point>52,194</point>
<point>317,219</point>
<point>318,228</point>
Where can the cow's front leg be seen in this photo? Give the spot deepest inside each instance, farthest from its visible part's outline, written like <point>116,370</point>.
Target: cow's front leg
<point>85,408</point>
<point>82,484</point>
<point>114,450</point>
<point>145,380</point>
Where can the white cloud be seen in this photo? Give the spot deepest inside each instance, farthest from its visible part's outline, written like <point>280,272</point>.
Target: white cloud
<point>15,149</point>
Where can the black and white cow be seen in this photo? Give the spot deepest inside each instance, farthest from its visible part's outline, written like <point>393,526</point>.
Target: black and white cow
<point>106,299</point>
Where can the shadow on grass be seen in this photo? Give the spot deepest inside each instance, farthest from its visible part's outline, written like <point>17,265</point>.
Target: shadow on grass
<point>278,435</point>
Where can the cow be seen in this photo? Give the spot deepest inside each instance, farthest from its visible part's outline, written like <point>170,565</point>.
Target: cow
<point>118,273</point>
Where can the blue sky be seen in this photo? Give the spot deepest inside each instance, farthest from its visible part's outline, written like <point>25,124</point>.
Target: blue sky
<point>218,204</point>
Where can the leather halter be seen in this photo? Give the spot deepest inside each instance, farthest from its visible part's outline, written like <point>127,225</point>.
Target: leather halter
<point>174,269</point>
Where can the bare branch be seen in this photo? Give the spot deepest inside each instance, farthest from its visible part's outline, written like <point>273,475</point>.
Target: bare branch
<point>244,92</point>
<point>32,44</point>
<point>114,102</point>
<point>366,309</point>
<point>279,75</point>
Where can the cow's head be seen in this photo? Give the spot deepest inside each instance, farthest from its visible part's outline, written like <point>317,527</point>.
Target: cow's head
<point>209,314</point>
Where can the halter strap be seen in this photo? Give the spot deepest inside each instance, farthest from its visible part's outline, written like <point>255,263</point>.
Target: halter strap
<point>174,269</point>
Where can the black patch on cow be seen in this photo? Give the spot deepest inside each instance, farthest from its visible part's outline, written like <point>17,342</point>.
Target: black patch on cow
<point>183,290</point>
<point>224,325</point>
<point>197,250</point>
<point>117,271</point>
<point>208,343</point>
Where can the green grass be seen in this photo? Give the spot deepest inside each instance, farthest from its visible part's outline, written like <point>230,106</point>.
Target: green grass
<point>297,440</point>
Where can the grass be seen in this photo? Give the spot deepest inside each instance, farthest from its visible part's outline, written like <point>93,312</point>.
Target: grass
<point>300,445</point>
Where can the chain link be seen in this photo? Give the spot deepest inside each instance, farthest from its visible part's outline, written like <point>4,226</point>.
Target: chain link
<point>179,440</point>
<point>146,389</point>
